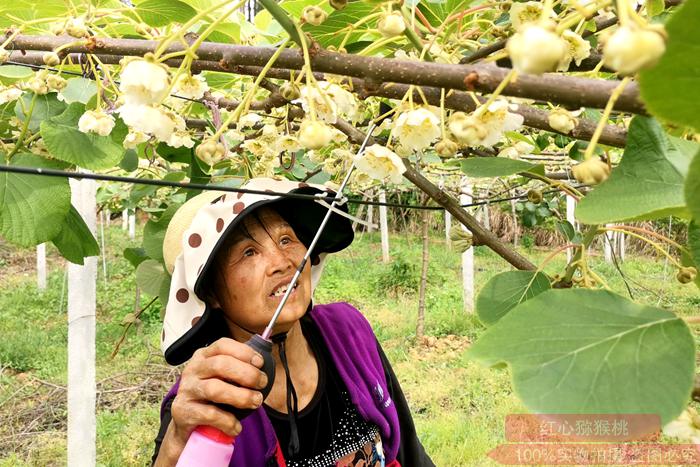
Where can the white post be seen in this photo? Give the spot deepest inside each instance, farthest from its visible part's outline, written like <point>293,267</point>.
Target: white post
<point>103,219</point>
<point>41,267</point>
<point>81,339</point>
<point>448,226</point>
<point>384,227</point>
<point>468,256</point>
<point>132,224</point>
<point>570,208</point>
<point>125,219</point>
<point>370,215</point>
<point>620,246</point>
<point>607,245</point>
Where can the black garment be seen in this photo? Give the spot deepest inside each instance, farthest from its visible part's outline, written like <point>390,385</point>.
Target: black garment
<point>331,407</point>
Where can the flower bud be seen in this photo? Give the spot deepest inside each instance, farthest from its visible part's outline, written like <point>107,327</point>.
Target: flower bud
<point>686,275</point>
<point>591,171</point>
<point>142,29</point>
<point>467,129</point>
<point>338,4</point>
<point>38,84</point>
<point>446,148</point>
<point>391,24</point>
<point>536,49</point>
<point>210,151</point>
<point>632,48</point>
<point>289,91</point>
<point>56,83</point>
<point>4,55</point>
<point>57,29</point>
<point>76,28</point>
<point>314,134</point>
<point>462,239</point>
<point>561,121</point>
<point>51,58</point>
<point>313,15</point>
<point>534,196</point>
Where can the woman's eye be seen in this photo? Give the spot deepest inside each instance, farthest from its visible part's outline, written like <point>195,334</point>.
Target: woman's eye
<point>285,240</point>
<point>248,252</point>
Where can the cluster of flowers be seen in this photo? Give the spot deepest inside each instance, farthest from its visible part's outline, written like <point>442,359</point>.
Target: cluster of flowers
<point>536,47</point>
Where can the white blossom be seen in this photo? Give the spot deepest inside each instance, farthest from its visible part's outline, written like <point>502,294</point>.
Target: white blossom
<point>380,163</point>
<point>562,120</point>
<point>686,427</point>
<point>148,119</point>
<point>314,134</point>
<point>391,24</point>
<point>133,139</point>
<point>191,86</point>
<point>210,151</point>
<point>523,13</point>
<point>632,48</point>
<point>143,82</point>
<point>536,49</point>
<point>180,138</point>
<point>96,121</point>
<point>577,50</point>
<point>329,100</point>
<point>9,94</point>
<point>485,126</point>
<point>314,15</point>
<point>417,129</point>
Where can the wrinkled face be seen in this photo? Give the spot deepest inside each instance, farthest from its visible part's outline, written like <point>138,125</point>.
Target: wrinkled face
<point>254,272</point>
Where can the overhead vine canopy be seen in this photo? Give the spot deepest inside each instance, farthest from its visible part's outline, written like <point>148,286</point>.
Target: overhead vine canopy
<point>218,92</point>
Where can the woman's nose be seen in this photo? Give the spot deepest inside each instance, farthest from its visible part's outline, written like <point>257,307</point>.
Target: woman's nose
<point>278,260</point>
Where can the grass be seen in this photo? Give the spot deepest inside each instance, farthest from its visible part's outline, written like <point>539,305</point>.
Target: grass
<point>458,406</point>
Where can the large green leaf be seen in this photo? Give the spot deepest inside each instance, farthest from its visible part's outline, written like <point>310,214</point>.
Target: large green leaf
<point>671,90</point>
<point>647,184</point>
<point>79,90</point>
<point>75,241</point>
<point>135,256</point>
<point>495,166</point>
<point>65,142</point>
<point>693,259</point>
<point>12,73</point>
<point>150,276</point>
<point>592,351</point>
<point>506,290</point>
<point>32,207</point>
<point>692,187</point>
<point>154,233</point>
<point>163,12</point>
<point>437,12</point>
<point>329,32</point>
<point>45,107</point>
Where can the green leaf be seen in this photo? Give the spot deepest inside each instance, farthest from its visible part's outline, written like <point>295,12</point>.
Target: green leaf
<point>677,102</point>
<point>154,233</point>
<point>692,187</point>
<point>647,184</point>
<point>329,32</point>
<point>45,107</point>
<point>135,256</point>
<point>65,142</point>
<point>694,247</point>
<point>437,12</point>
<point>163,12</point>
<point>655,7</point>
<point>32,207</point>
<point>79,90</point>
<point>566,229</point>
<point>75,241</point>
<point>130,161</point>
<point>592,351</point>
<point>494,166</point>
<point>505,291</point>
<point>164,291</point>
<point>150,276</point>
<point>12,73</point>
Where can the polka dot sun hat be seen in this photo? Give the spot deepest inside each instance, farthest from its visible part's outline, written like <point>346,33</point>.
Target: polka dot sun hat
<point>199,228</point>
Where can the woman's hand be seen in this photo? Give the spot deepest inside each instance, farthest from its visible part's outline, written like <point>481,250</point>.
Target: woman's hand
<point>226,372</point>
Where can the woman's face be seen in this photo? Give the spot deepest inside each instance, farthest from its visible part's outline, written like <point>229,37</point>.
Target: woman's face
<point>254,274</point>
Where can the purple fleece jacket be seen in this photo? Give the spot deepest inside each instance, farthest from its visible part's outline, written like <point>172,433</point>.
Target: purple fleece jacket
<point>353,348</point>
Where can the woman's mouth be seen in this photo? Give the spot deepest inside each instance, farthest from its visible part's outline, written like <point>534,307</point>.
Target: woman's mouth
<point>279,293</point>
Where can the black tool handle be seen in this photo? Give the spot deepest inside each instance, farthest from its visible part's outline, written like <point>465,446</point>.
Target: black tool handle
<point>264,348</point>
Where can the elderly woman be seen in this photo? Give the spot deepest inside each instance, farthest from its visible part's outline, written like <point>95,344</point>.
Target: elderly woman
<point>335,399</point>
